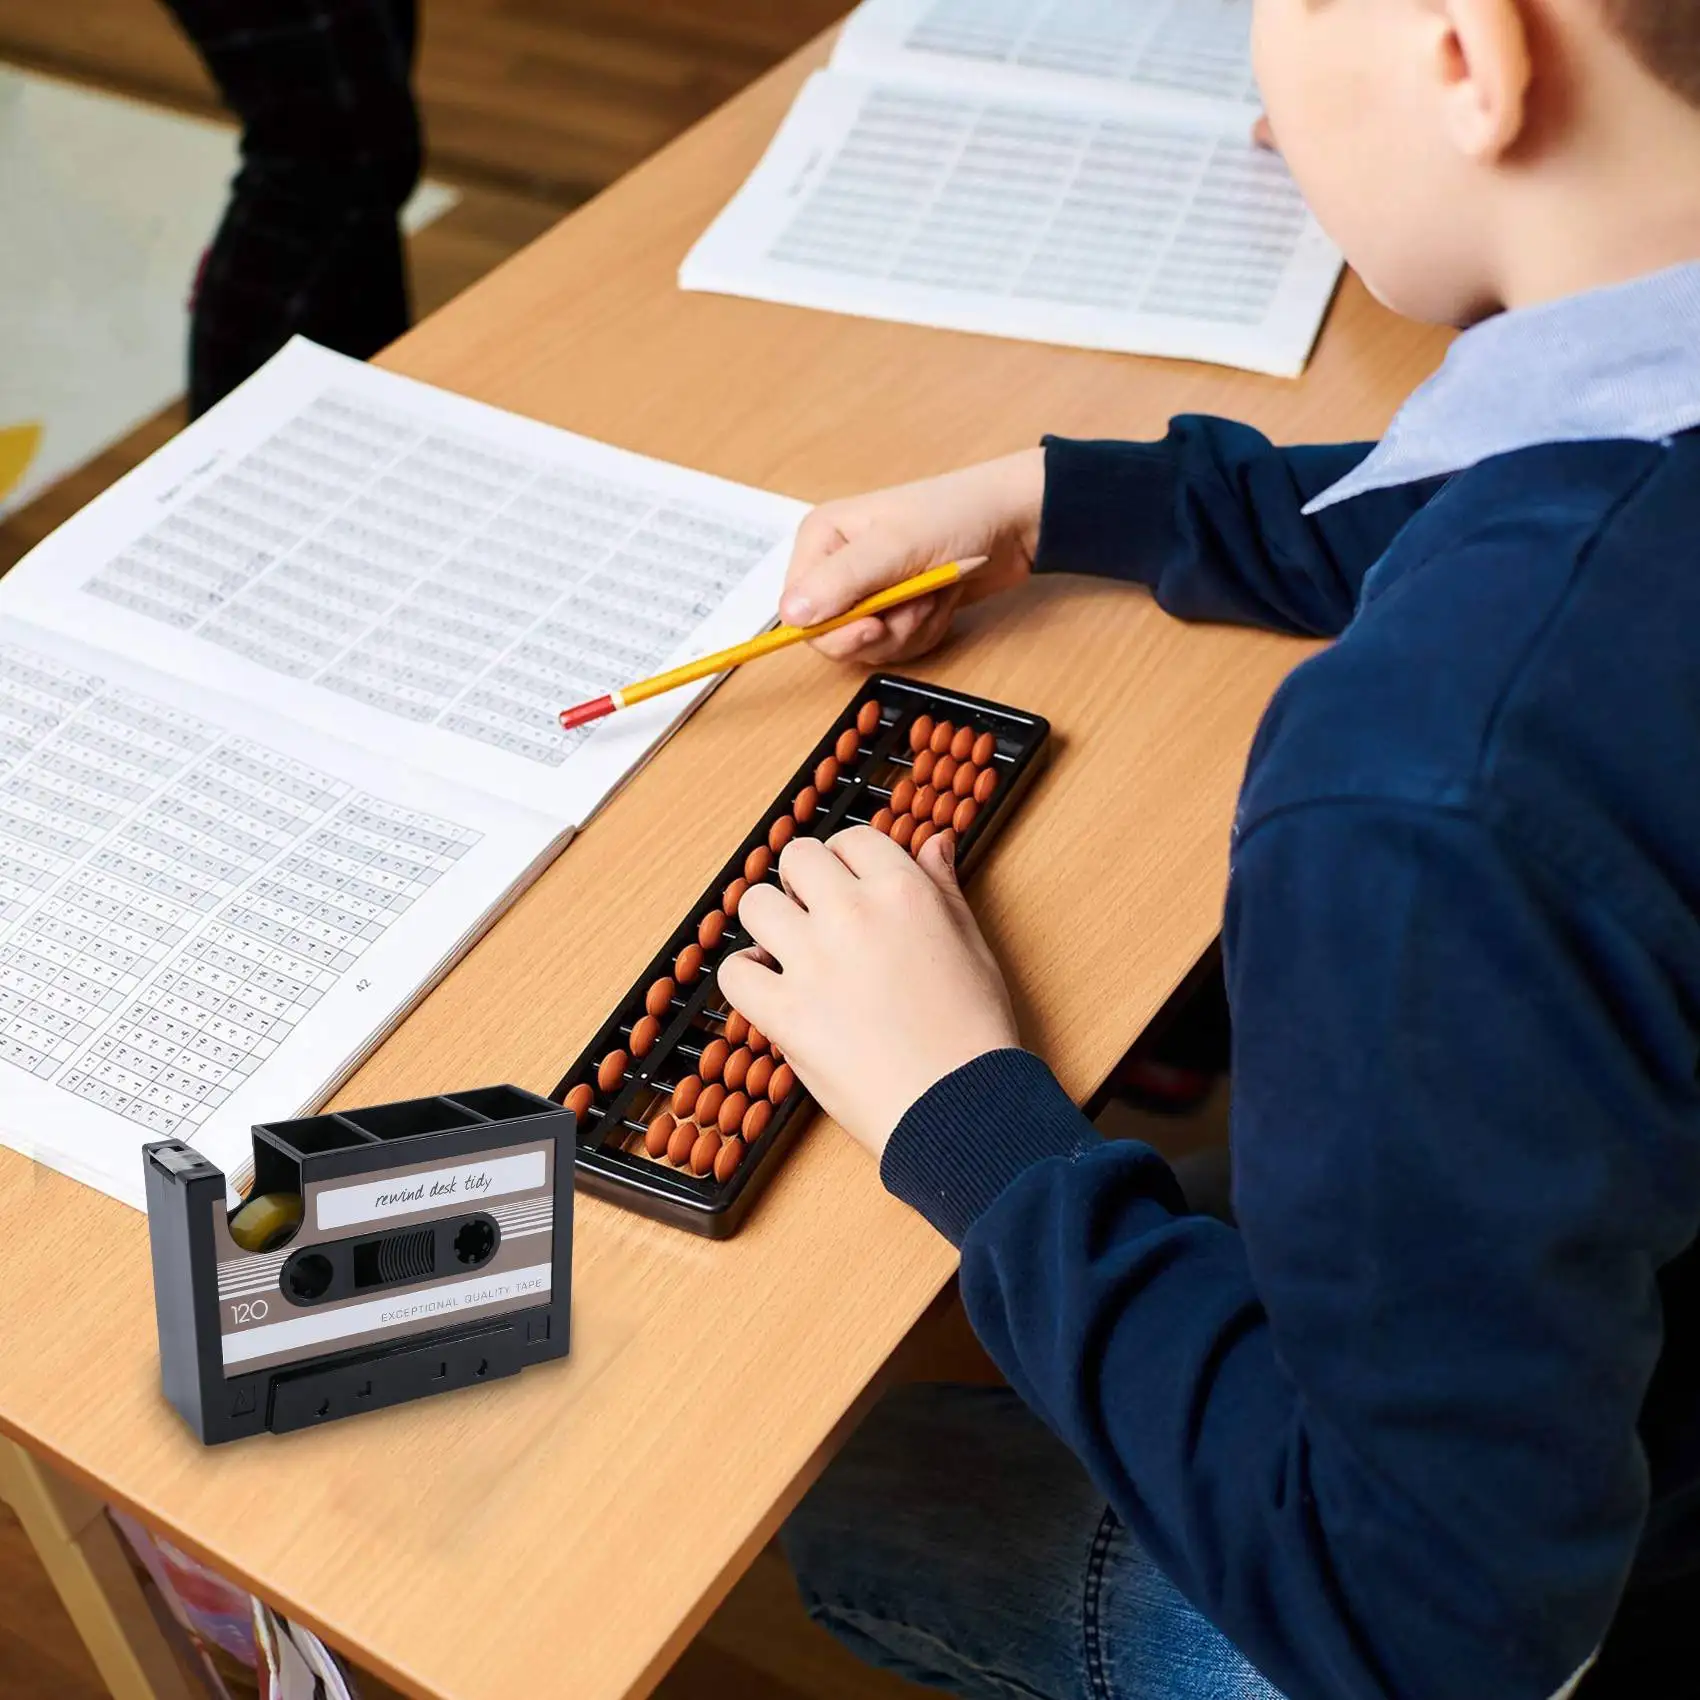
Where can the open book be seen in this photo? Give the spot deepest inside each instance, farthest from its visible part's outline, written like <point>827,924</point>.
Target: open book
<point>278,735</point>
<point>1068,171</point>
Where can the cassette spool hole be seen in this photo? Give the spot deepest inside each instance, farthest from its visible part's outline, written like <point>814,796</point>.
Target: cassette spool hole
<point>309,1276</point>
<point>476,1241</point>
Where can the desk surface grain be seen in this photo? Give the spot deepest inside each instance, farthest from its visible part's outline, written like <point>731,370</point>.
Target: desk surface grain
<point>565,1533</point>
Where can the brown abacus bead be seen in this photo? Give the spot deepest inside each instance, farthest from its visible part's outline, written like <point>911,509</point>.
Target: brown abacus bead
<point>922,771</point>
<point>962,745</point>
<point>903,794</point>
<point>882,821</point>
<point>922,807</point>
<point>711,929</point>
<point>581,1098</point>
<point>686,1093</point>
<point>985,785</point>
<point>985,747</point>
<point>660,1134</point>
<point>704,1152</point>
<point>848,745</point>
<point>757,1040</point>
<point>679,1145</point>
<point>942,735</point>
<point>726,1164</point>
<point>920,734</point>
<point>737,1027</point>
<point>945,772</point>
<point>756,1118</point>
<point>781,833</point>
<point>659,998</point>
<point>687,965</point>
<point>966,809</point>
<point>826,774</point>
<point>713,1060</point>
<point>963,783</point>
<point>775,1052</point>
<point>922,833</point>
<point>868,721</point>
<point>902,830</point>
<point>611,1071</point>
<point>731,1116</point>
<point>732,896</point>
<point>803,810</point>
<point>944,808</point>
<point>738,1068</point>
<point>779,1087</point>
<point>644,1035</point>
<point>757,863</point>
<point>708,1105</point>
<point>761,1072</point>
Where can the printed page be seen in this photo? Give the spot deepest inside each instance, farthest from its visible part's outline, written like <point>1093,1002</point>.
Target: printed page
<point>1051,222</point>
<point>208,916</point>
<point>420,574</point>
<point>1187,57</point>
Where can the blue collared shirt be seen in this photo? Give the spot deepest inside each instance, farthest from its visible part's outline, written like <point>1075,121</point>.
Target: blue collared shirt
<point>1621,362</point>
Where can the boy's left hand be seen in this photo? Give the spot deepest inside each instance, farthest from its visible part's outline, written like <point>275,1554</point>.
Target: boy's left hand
<point>872,976</point>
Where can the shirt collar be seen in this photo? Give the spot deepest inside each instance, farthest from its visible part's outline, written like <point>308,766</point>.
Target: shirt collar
<point>1621,362</point>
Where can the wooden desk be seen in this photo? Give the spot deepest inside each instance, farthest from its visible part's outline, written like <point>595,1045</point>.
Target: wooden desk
<point>565,1533</point>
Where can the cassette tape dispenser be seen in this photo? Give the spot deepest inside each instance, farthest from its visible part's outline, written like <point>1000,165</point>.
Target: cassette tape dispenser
<point>381,1255</point>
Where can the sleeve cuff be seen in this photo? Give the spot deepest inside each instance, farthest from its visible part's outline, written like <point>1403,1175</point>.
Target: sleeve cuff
<point>966,1138</point>
<point>1110,509</point>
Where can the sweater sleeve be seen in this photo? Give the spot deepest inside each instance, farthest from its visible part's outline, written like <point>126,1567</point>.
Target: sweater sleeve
<point>1212,520</point>
<point>1384,1435</point>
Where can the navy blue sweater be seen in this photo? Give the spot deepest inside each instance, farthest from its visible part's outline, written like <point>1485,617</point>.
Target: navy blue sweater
<point>1411,1430</point>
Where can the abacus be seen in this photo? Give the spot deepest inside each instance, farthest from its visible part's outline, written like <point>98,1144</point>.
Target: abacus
<point>683,1108</point>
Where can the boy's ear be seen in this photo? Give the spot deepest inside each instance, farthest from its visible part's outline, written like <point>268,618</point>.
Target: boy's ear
<point>1482,60</point>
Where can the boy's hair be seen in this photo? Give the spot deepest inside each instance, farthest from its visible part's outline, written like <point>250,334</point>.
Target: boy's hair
<point>1665,36</point>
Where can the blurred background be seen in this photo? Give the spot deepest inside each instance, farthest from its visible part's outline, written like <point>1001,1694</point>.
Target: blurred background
<point>117,150</point>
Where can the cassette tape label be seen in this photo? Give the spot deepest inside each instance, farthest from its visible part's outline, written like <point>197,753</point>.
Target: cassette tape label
<point>366,1266</point>
<point>380,1255</point>
<point>431,1191</point>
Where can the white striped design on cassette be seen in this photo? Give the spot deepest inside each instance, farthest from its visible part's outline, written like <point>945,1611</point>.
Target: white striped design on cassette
<point>529,1216</point>
<point>245,1275</point>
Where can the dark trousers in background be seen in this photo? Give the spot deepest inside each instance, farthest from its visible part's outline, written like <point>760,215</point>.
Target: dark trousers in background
<point>310,242</point>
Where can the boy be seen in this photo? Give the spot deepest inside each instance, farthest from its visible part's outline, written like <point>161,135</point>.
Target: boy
<point>1427,1423</point>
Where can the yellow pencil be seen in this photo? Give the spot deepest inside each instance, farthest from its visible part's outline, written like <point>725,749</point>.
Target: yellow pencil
<point>781,637</point>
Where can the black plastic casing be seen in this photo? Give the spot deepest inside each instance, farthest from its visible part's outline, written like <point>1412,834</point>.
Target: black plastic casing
<point>186,1202</point>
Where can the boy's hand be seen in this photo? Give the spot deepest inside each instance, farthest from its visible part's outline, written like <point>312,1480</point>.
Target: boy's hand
<point>849,549</point>
<point>877,983</point>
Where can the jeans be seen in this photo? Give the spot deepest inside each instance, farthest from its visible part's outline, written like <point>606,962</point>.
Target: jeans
<point>958,1543</point>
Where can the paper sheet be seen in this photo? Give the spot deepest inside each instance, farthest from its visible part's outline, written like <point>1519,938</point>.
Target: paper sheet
<point>207,916</point>
<point>1186,56</point>
<point>417,573</point>
<point>1051,221</point>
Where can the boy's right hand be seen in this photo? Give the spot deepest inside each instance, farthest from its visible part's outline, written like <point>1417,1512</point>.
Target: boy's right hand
<point>848,549</point>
